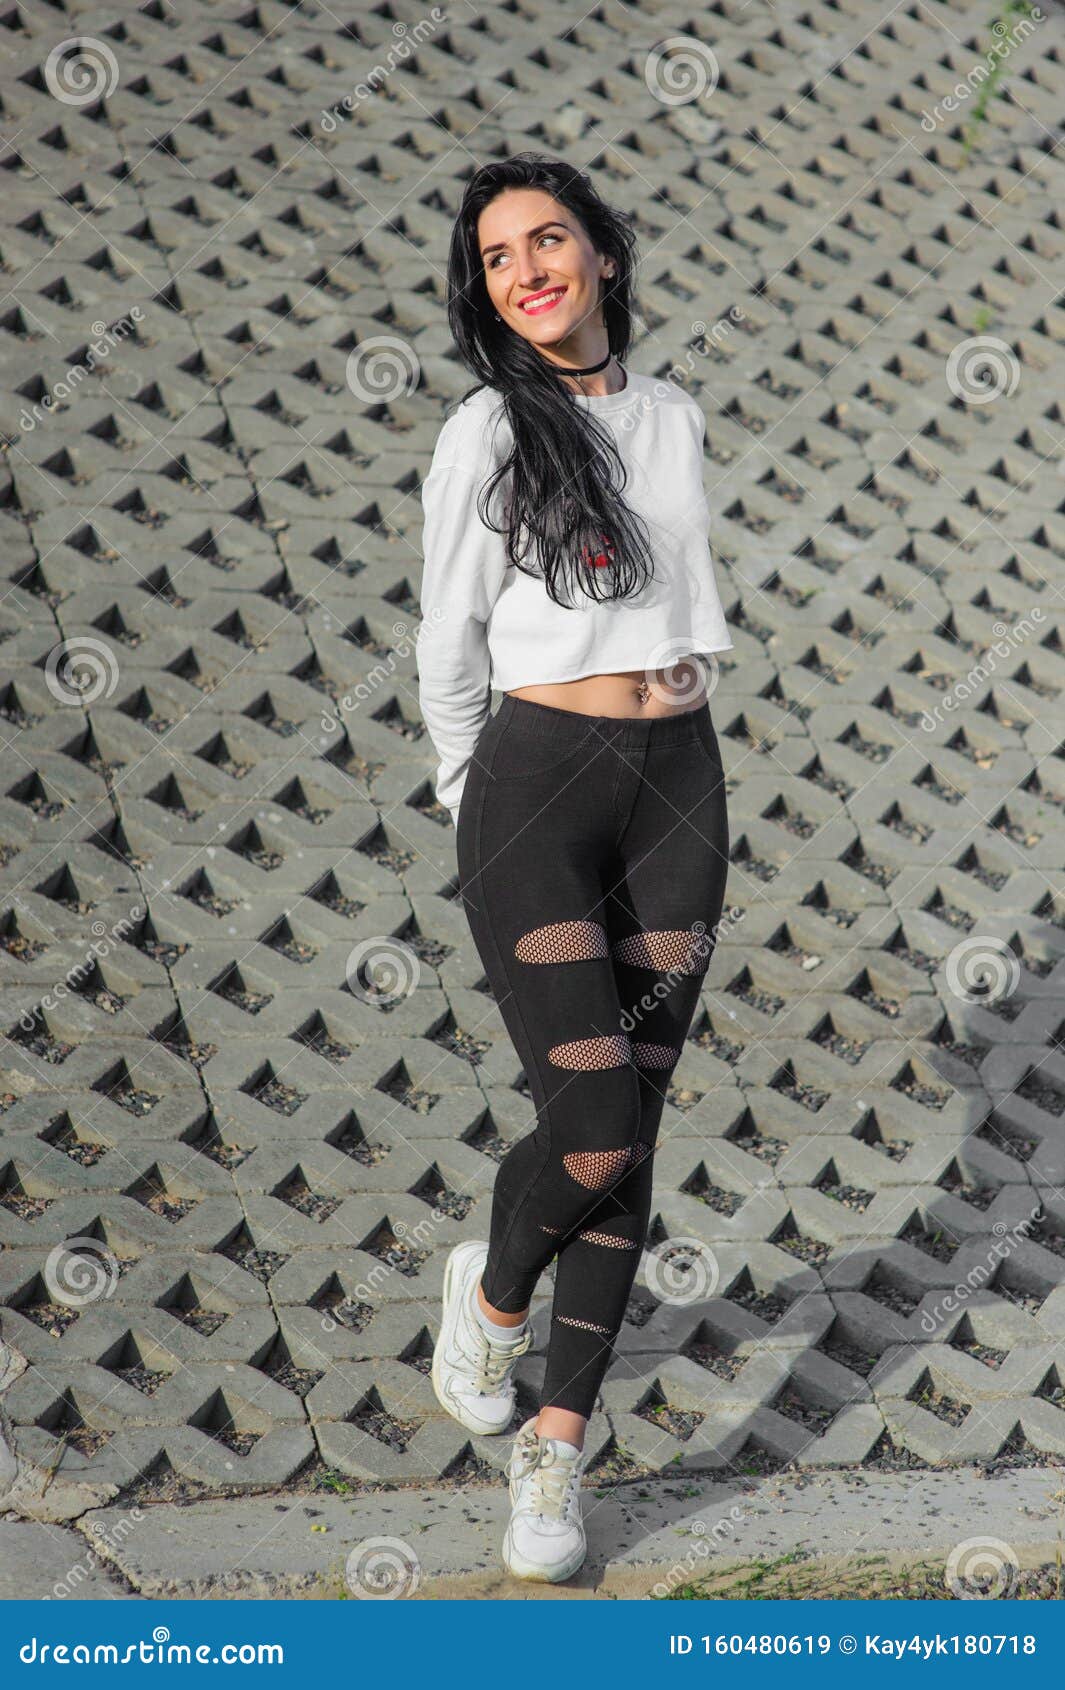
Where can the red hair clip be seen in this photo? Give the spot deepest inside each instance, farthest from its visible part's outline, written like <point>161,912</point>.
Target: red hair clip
<point>600,559</point>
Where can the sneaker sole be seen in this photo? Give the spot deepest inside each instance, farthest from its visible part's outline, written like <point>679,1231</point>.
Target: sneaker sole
<point>450,1407</point>
<point>521,1569</point>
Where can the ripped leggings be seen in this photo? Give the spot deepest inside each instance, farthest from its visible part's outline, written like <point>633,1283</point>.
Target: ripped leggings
<point>592,855</point>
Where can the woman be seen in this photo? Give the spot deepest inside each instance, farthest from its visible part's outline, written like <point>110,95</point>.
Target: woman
<point>592,840</point>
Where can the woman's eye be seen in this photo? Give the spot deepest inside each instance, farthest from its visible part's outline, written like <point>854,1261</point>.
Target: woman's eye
<point>498,255</point>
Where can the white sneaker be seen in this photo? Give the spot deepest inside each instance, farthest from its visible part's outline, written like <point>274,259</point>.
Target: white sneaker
<point>471,1370</point>
<point>545,1538</point>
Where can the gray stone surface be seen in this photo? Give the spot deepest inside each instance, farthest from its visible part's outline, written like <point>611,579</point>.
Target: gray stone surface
<point>640,1543</point>
<point>57,1564</point>
<point>271,1162</point>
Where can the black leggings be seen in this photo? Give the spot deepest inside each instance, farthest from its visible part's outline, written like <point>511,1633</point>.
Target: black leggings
<point>592,855</point>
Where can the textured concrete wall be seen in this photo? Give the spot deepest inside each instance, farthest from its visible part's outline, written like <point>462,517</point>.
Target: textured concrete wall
<point>236,1149</point>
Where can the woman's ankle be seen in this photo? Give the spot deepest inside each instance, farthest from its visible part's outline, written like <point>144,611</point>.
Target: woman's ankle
<point>561,1423</point>
<point>496,1316</point>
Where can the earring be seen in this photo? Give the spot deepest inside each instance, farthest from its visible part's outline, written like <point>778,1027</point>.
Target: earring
<point>498,318</point>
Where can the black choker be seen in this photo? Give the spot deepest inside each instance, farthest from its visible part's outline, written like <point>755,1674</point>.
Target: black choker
<point>592,370</point>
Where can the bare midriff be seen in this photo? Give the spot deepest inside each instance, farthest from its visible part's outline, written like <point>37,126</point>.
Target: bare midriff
<point>630,692</point>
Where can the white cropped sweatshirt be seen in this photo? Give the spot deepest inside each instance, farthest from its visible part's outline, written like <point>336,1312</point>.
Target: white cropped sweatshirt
<point>486,624</point>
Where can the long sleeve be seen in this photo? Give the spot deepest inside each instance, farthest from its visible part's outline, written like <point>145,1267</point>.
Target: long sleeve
<point>464,562</point>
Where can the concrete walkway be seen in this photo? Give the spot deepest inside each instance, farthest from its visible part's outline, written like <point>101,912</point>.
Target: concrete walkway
<point>643,1541</point>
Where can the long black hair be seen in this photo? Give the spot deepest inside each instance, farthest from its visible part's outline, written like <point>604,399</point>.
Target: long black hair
<point>566,474</point>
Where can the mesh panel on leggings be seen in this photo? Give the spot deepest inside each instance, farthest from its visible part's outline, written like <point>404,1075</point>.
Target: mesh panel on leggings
<point>555,1231</point>
<point>585,1325</point>
<point>598,1169</point>
<point>563,941</point>
<point>655,1056</point>
<point>610,1239</point>
<point>677,949</point>
<point>611,1051</point>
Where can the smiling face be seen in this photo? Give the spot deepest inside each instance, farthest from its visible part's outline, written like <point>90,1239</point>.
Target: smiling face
<point>543,274</point>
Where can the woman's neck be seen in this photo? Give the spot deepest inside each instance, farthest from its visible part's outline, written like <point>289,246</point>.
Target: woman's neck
<point>611,379</point>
